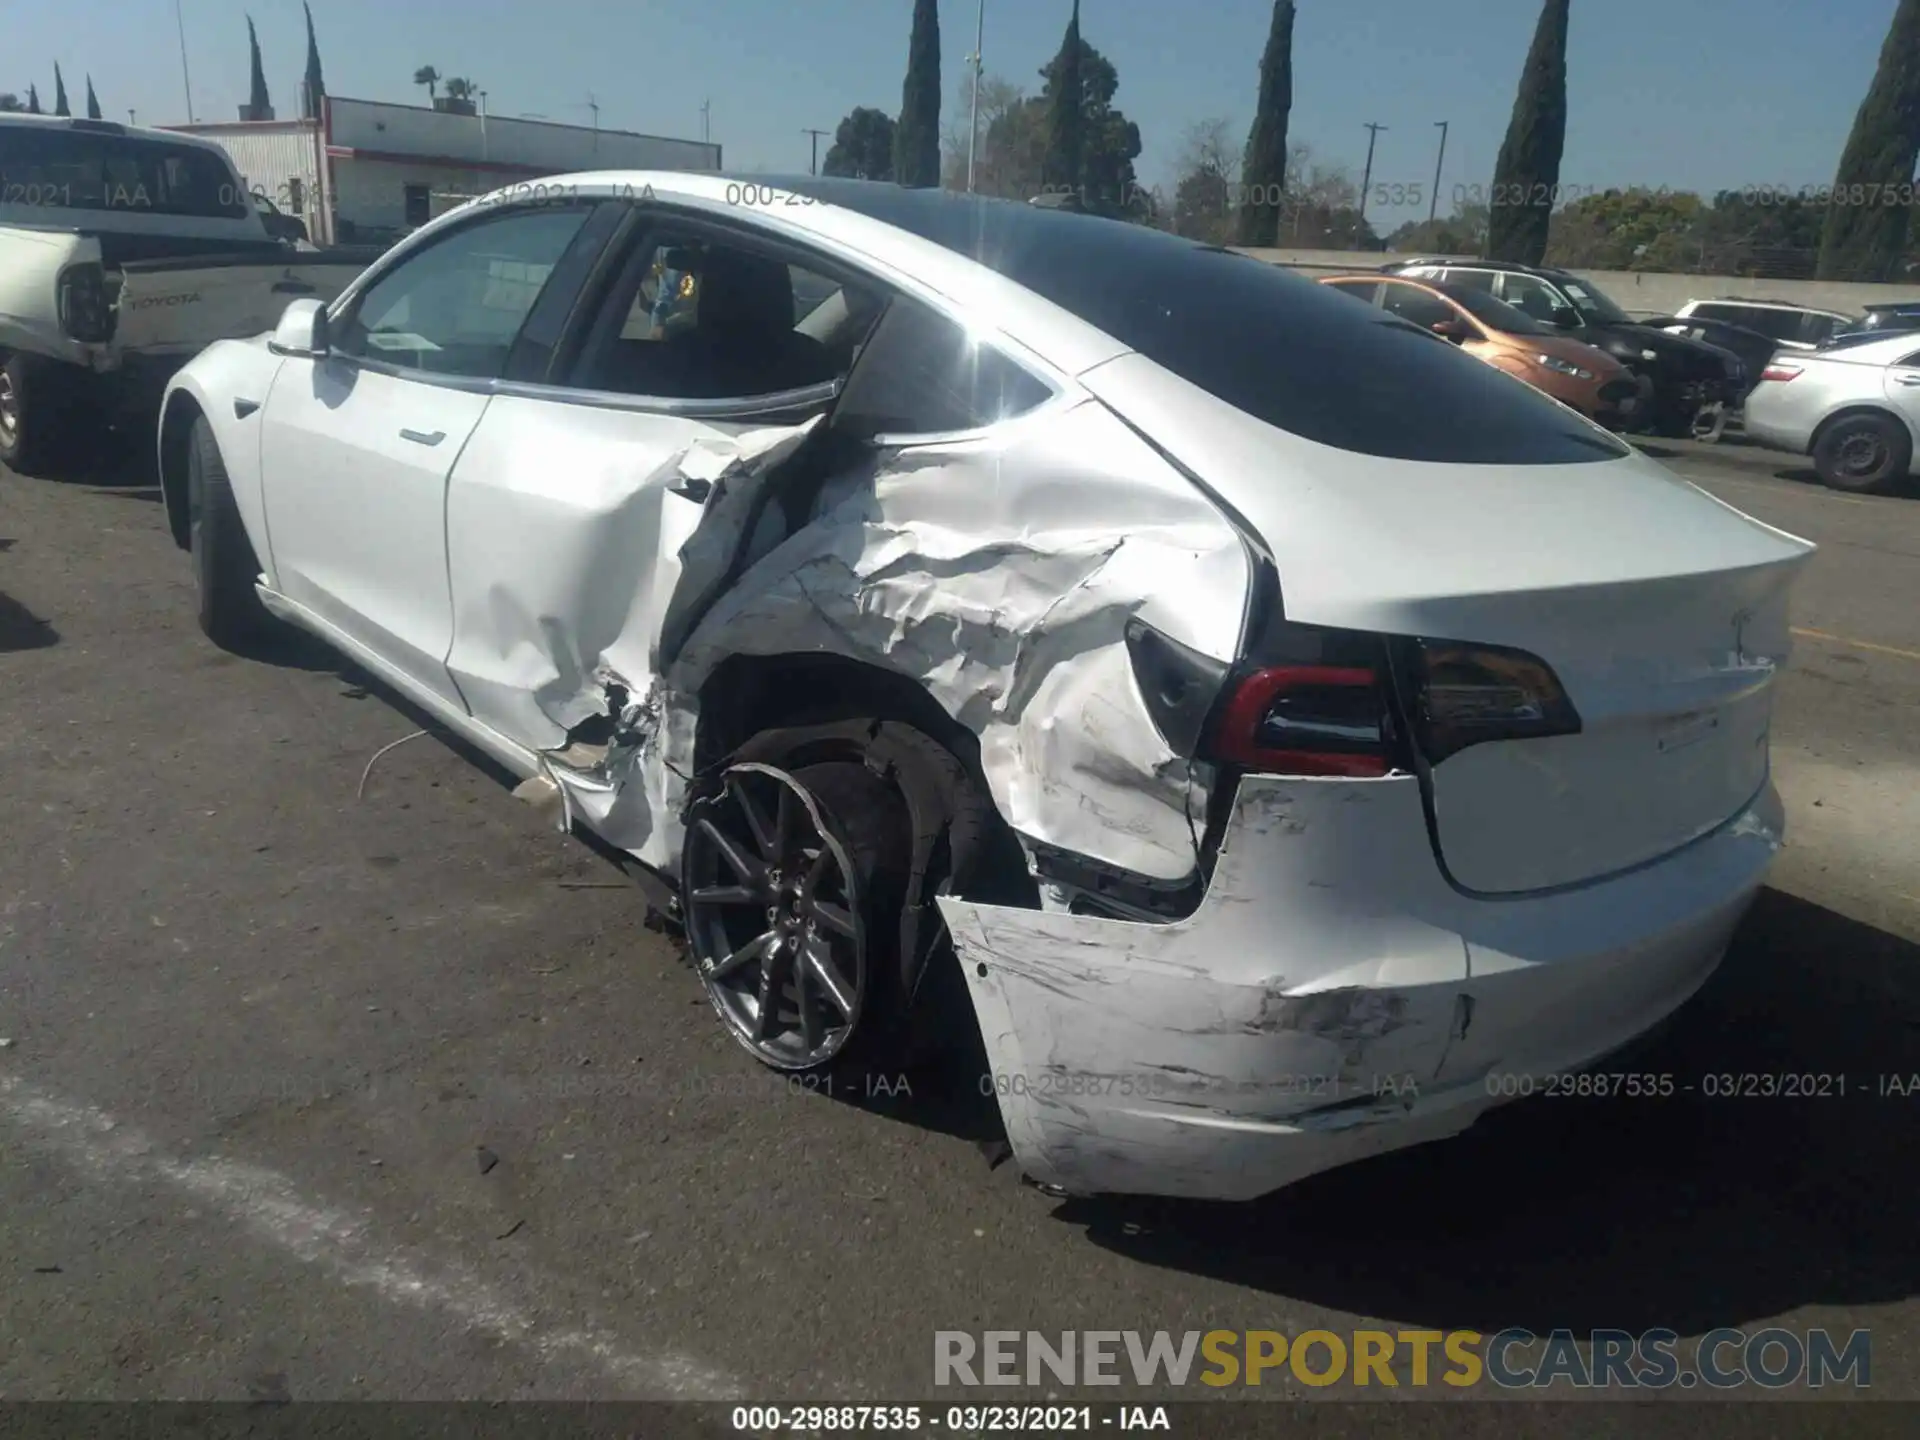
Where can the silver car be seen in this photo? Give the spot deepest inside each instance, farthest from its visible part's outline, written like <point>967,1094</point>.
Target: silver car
<point>1853,409</point>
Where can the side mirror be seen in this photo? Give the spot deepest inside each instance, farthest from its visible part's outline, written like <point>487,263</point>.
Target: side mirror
<point>302,330</point>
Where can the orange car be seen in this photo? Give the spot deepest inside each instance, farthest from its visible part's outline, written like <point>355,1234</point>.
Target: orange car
<point>1590,380</point>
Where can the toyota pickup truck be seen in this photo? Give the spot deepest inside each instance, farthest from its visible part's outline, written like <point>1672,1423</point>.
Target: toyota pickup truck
<point>123,253</point>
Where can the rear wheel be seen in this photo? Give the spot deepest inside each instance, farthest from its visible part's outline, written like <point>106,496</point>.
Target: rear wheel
<point>792,883</point>
<point>1865,454</point>
<point>224,565</point>
<point>36,399</point>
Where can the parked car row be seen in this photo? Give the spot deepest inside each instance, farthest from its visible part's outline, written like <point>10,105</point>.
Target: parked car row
<point>1223,699</point>
<point>1689,384</point>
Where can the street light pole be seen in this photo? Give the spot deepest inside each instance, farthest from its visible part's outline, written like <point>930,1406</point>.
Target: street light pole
<point>185,79</point>
<point>814,168</point>
<point>1366,181</point>
<point>979,61</point>
<point>1434,209</point>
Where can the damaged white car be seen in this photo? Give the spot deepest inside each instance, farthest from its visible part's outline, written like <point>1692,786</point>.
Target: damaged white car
<point>1283,736</point>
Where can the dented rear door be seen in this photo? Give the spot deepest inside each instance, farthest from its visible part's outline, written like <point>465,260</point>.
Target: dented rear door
<point>566,523</point>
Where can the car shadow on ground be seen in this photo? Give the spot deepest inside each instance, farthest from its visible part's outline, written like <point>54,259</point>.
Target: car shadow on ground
<point>20,628</point>
<point>1688,1212</point>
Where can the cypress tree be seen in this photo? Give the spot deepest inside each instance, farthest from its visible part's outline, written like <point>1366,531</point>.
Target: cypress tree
<point>916,138</point>
<point>1263,169</point>
<point>60,106</point>
<point>257,102</point>
<point>1864,237</point>
<point>33,99</point>
<point>1062,167</point>
<point>1528,170</point>
<point>316,84</point>
<point>93,101</point>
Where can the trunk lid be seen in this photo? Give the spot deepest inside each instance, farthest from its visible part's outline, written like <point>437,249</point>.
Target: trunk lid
<point>1661,610</point>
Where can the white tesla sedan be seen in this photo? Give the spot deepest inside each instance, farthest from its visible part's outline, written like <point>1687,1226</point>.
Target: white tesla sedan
<point>1280,734</point>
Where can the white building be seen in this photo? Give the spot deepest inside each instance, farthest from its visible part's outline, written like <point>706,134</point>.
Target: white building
<point>367,171</point>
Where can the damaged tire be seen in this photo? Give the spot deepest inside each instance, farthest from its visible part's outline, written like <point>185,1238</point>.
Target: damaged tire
<point>792,883</point>
<point>224,565</point>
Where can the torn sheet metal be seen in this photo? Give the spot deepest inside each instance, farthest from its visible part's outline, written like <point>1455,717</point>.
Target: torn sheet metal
<point>1333,997</point>
<point>564,535</point>
<point>1000,573</point>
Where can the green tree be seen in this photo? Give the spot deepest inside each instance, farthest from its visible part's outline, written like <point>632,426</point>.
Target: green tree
<point>1013,143</point>
<point>1750,233</point>
<point>33,100</point>
<point>916,139</point>
<point>1203,193</point>
<point>1528,169</point>
<point>1632,229</point>
<point>10,103</point>
<point>862,146</point>
<point>1066,112</point>
<point>60,106</point>
<point>93,101</point>
<point>1865,240</point>
<point>1464,232</point>
<point>1263,171</point>
<point>1108,142</point>
<point>428,76</point>
<point>258,103</point>
<point>316,84</point>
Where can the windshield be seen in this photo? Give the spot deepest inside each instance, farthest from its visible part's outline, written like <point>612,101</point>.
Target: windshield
<point>1592,300</point>
<point>1494,314</point>
<point>52,168</point>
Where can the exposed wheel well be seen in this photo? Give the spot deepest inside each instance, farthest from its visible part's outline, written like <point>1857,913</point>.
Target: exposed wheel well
<point>176,429</point>
<point>1854,412</point>
<point>789,709</point>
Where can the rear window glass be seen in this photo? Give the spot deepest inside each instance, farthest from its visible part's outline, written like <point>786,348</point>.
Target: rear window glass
<point>1272,343</point>
<point>51,167</point>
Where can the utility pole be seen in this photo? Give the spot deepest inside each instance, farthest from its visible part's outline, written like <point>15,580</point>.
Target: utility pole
<point>1366,180</point>
<point>185,79</point>
<point>979,62</point>
<point>705,106</point>
<point>130,119</point>
<point>1434,209</point>
<point>814,169</point>
<point>594,106</point>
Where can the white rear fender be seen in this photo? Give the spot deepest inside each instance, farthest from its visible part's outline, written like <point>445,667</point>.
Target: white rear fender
<point>999,572</point>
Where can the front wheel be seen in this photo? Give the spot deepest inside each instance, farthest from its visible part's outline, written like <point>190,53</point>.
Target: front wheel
<point>225,568</point>
<point>1864,454</point>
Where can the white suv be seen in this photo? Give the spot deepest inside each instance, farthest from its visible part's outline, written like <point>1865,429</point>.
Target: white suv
<point>1792,327</point>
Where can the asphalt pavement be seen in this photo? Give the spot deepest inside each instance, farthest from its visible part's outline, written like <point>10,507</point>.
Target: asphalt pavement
<point>329,1076</point>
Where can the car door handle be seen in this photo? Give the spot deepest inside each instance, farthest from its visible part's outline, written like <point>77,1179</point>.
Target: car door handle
<point>424,437</point>
<point>1906,379</point>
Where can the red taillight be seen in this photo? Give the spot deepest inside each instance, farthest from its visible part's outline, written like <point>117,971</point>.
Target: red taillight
<point>1307,720</point>
<point>1781,373</point>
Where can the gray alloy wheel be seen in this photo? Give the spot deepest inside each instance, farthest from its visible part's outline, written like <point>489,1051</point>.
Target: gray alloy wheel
<point>775,896</point>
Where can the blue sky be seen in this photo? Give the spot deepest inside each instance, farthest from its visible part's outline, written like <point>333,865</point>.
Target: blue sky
<point>1694,94</point>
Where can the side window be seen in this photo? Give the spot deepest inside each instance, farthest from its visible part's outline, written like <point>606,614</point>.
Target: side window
<point>455,308</point>
<point>1477,279</point>
<point>1418,306</point>
<point>1366,291</point>
<point>1908,362</point>
<point>697,319</point>
<point>1533,296</point>
<point>1715,310</point>
<point>921,374</point>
